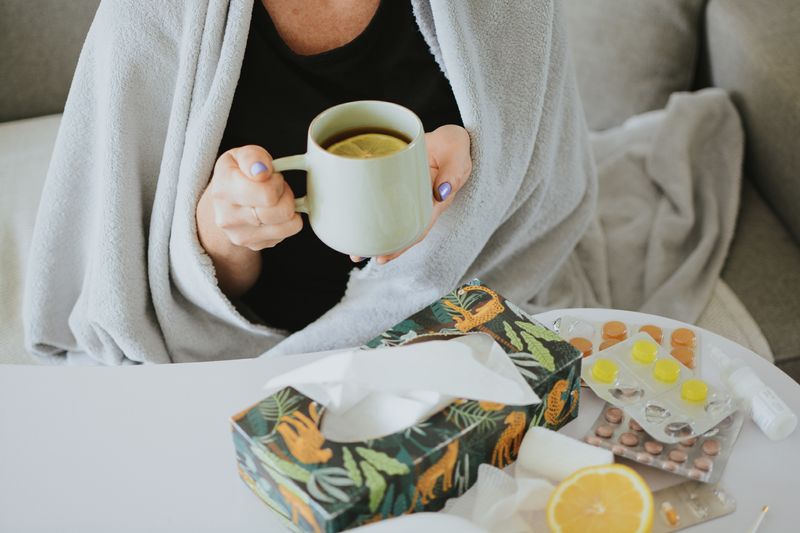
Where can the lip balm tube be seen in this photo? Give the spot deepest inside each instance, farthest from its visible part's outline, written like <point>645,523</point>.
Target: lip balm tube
<point>545,453</point>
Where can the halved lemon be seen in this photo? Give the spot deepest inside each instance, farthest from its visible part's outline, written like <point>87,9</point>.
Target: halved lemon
<point>600,499</point>
<point>367,145</point>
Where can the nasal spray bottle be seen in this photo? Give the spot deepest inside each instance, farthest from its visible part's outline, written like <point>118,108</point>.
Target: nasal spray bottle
<point>767,410</point>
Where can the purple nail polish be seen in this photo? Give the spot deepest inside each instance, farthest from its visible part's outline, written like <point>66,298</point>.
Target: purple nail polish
<point>444,191</point>
<point>258,168</point>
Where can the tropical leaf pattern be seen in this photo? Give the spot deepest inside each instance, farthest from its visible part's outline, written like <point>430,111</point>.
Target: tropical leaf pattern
<point>376,484</point>
<point>351,467</point>
<point>423,465</point>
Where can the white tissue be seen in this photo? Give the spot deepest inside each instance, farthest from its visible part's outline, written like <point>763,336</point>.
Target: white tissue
<point>500,503</point>
<point>372,393</point>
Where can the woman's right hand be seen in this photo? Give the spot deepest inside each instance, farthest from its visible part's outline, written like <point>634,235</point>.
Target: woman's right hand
<point>253,206</point>
<point>245,208</point>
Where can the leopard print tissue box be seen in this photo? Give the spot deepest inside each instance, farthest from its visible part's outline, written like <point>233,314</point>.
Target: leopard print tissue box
<point>319,485</point>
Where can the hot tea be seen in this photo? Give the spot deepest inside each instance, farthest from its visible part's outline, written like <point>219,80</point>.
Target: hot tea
<point>366,143</point>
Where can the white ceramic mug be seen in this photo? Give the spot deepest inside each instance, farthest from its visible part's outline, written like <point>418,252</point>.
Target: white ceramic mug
<point>365,207</point>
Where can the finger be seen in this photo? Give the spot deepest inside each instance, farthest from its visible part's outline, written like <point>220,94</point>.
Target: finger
<point>260,237</point>
<point>268,236</point>
<point>449,160</point>
<point>281,212</point>
<point>235,188</point>
<point>254,162</point>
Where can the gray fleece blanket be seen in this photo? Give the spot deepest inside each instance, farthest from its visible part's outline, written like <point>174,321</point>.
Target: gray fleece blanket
<point>116,272</point>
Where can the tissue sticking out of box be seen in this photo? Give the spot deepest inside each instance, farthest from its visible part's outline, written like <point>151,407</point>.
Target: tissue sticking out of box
<point>372,393</point>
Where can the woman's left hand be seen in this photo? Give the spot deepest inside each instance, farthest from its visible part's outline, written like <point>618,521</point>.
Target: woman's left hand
<point>450,165</point>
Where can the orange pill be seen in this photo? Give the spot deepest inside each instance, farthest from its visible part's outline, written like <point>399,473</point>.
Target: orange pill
<point>608,343</point>
<point>683,337</point>
<point>582,344</point>
<point>615,330</point>
<point>653,331</point>
<point>684,355</point>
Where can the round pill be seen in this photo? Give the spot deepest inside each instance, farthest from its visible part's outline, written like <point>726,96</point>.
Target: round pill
<point>629,439</point>
<point>688,443</point>
<point>666,370</point>
<point>669,465</point>
<point>703,463</point>
<point>653,331</point>
<point>614,415</point>
<point>582,344</point>
<point>711,447</point>
<point>605,370</point>
<point>608,343</point>
<point>694,473</point>
<point>694,390</point>
<point>653,447</point>
<point>644,458</point>
<point>604,431</point>
<point>679,456</point>
<point>684,355</point>
<point>726,422</point>
<point>615,330</point>
<point>683,337</point>
<point>644,352</point>
<point>594,441</point>
<point>634,425</point>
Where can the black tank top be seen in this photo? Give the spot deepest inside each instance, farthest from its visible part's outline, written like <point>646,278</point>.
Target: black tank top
<point>280,92</point>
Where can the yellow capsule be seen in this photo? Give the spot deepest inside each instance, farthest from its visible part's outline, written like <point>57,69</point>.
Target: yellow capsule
<point>694,390</point>
<point>667,370</point>
<point>605,370</point>
<point>644,352</point>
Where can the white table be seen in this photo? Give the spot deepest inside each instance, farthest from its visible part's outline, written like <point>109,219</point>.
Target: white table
<point>149,448</point>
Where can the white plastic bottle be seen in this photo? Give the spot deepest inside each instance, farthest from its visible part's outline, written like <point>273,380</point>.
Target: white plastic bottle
<point>768,411</point>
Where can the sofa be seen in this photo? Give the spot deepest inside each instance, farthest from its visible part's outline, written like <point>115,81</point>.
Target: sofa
<point>629,56</point>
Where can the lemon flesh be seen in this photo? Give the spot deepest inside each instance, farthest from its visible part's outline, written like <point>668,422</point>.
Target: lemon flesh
<point>367,145</point>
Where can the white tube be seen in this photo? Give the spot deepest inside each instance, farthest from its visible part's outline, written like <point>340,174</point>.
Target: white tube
<point>768,411</point>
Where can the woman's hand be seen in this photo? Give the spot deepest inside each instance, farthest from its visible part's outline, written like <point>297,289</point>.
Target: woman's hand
<point>245,208</point>
<point>450,165</point>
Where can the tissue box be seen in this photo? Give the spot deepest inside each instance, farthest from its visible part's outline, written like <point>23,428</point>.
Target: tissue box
<point>319,485</point>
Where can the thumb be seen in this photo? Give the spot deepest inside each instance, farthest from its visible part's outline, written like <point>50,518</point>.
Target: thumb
<point>254,162</point>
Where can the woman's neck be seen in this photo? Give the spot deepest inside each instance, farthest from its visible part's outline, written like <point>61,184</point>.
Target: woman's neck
<point>314,26</point>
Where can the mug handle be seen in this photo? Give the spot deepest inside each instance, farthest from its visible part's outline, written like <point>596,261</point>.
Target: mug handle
<point>293,162</point>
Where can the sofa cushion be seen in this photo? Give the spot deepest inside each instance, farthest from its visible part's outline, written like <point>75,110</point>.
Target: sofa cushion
<point>763,269</point>
<point>630,55</point>
<point>753,49</point>
<point>39,45</point>
<point>25,148</point>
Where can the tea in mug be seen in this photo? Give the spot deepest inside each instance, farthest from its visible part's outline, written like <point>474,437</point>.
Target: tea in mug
<point>366,143</point>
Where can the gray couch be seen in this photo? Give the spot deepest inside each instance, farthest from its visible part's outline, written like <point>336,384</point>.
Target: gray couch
<point>749,47</point>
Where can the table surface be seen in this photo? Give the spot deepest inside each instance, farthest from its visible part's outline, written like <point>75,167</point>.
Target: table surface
<point>149,447</point>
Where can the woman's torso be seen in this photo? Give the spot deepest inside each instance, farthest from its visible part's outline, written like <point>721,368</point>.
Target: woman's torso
<point>280,92</point>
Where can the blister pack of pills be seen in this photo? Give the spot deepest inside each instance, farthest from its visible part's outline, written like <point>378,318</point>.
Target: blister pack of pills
<point>662,395</point>
<point>700,458</point>
<point>688,504</point>
<point>591,337</point>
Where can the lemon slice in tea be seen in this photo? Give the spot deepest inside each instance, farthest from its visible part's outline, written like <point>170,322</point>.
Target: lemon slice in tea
<point>367,145</point>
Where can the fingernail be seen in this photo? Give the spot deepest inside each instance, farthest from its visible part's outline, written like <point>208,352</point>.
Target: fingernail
<point>258,168</point>
<point>444,191</point>
<point>355,258</point>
